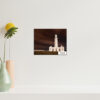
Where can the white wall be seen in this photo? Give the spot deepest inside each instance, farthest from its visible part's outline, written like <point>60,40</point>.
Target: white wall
<point>82,19</point>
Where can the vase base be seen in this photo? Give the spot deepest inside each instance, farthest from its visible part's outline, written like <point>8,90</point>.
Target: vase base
<point>4,90</point>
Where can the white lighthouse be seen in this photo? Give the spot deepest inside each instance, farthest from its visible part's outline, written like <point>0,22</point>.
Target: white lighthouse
<point>56,47</point>
<point>56,41</point>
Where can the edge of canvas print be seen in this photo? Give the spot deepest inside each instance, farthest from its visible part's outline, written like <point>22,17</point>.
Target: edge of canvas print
<point>50,41</point>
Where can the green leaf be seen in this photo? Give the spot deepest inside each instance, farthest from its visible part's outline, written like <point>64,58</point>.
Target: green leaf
<point>11,32</point>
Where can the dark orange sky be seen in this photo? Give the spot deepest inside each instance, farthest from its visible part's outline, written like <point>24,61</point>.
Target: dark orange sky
<point>43,38</point>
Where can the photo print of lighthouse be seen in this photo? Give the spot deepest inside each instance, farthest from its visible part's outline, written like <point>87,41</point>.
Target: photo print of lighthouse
<point>50,41</point>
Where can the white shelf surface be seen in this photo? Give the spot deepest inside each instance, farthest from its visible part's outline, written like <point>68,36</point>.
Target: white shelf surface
<point>53,90</point>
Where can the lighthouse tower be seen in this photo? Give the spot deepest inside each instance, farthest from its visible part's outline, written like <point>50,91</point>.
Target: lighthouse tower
<point>56,41</point>
<point>56,47</point>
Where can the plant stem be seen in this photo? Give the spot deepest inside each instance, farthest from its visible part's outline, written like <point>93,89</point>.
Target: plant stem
<point>4,50</point>
<point>9,48</point>
<point>0,59</point>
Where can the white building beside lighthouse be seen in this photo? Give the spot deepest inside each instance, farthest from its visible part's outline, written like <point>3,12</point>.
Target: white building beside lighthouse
<point>56,47</point>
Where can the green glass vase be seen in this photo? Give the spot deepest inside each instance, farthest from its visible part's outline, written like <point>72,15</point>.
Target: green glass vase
<point>5,81</point>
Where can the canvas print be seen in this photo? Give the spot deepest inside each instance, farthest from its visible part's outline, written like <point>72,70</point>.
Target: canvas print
<point>50,41</point>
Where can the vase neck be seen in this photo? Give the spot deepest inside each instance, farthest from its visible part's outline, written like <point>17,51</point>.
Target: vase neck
<point>3,65</point>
